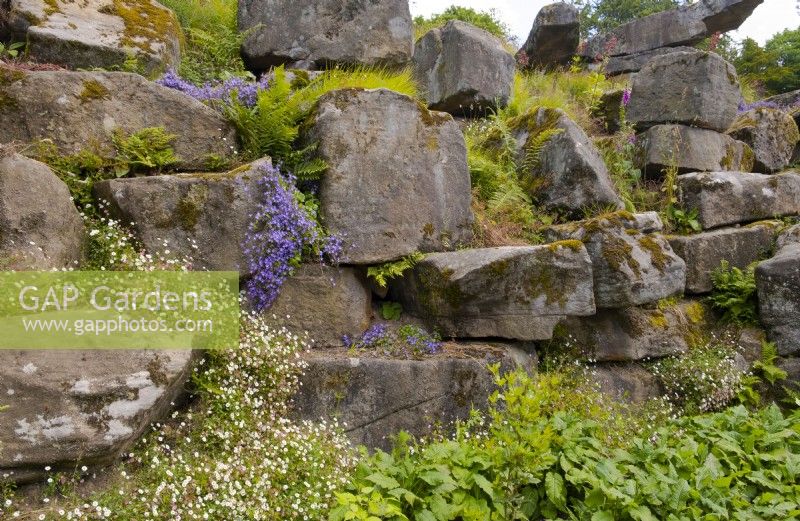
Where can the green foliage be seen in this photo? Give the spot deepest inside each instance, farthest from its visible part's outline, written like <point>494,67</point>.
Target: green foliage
<point>535,462</point>
<point>774,68</point>
<point>272,126</point>
<point>600,16</point>
<point>486,20</point>
<point>385,272</point>
<point>11,50</point>
<point>683,221</point>
<point>213,39</point>
<point>765,374</point>
<point>147,150</point>
<point>735,294</point>
<point>391,310</point>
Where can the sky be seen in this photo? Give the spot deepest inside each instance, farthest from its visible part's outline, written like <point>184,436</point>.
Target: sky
<point>771,17</point>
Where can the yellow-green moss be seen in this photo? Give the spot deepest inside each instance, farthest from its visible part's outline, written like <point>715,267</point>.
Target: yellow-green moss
<point>571,244</point>
<point>748,158</point>
<point>616,252</point>
<point>431,118</point>
<point>695,312</point>
<point>659,320</point>
<point>52,7</point>
<point>657,256</point>
<point>145,23</point>
<point>7,101</point>
<point>93,90</point>
<point>9,76</point>
<point>190,207</point>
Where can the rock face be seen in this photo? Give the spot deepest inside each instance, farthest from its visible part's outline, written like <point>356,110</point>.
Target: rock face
<point>462,69</point>
<point>626,64</point>
<point>418,394</point>
<point>515,292</point>
<point>695,88</point>
<point>609,109</point>
<point>201,216</point>
<point>723,198</point>
<point>692,150</point>
<point>325,302</point>
<point>629,382</point>
<point>40,229</point>
<point>76,110</point>
<point>397,179</point>
<point>771,133</point>
<point>703,252</point>
<point>571,175</point>
<point>630,267</point>
<point>553,38</point>
<point>687,25</point>
<point>617,335</point>
<point>94,33</point>
<point>88,406</point>
<point>378,32</point>
<point>778,281</point>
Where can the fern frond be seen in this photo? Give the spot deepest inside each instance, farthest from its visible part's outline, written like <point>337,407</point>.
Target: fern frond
<point>391,270</point>
<point>534,148</point>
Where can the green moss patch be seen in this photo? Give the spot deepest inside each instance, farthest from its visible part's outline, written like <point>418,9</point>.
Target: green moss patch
<point>93,90</point>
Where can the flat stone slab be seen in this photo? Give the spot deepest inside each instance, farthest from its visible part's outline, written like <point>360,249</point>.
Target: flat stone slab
<point>375,398</point>
<point>95,33</point>
<point>725,198</point>
<point>83,110</point>
<point>203,217</point>
<point>515,292</point>
<point>324,33</point>
<point>703,252</point>
<point>397,179</point>
<point>72,408</point>
<point>630,63</point>
<point>324,302</point>
<point>692,149</point>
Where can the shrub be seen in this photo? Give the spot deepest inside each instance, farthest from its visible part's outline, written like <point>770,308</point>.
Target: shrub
<point>734,294</point>
<point>486,20</point>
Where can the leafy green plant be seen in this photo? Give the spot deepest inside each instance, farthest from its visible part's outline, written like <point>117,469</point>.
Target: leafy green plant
<point>734,294</point>
<point>683,221</point>
<point>11,50</point>
<point>148,150</point>
<point>486,20</point>
<point>391,310</point>
<point>385,272</point>
<point>764,374</point>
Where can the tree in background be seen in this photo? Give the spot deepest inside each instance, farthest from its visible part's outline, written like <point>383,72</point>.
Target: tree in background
<point>774,68</point>
<point>600,16</point>
<point>486,20</point>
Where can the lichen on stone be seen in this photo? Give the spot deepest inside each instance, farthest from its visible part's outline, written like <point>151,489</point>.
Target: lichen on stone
<point>93,90</point>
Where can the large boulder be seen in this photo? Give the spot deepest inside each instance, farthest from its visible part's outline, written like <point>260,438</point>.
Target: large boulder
<point>71,408</point>
<point>324,302</point>
<point>724,198</point>
<point>771,133</point>
<point>327,32</point>
<point>695,88</point>
<point>778,282</point>
<point>375,398</point>
<point>202,217</point>
<point>703,252</point>
<point>630,63</point>
<point>630,267</point>
<point>691,150</point>
<point>618,335</point>
<point>514,292</point>
<point>79,110</point>
<point>397,179</point>
<point>40,228</point>
<point>686,25</point>
<point>462,69</point>
<point>94,33</point>
<point>569,173</point>
<point>554,37</point>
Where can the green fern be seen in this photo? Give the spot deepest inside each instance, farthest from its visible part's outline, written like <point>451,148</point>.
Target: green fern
<point>534,148</point>
<point>385,272</point>
<point>149,149</point>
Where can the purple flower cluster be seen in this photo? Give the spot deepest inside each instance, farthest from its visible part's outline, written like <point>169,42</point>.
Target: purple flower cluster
<point>406,341</point>
<point>246,92</point>
<point>626,97</point>
<point>281,232</point>
<point>761,104</point>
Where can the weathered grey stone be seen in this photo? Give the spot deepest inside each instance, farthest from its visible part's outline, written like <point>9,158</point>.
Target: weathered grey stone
<point>397,179</point>
<point>778,281</point>
<point>327,32</point>
<point>630,268</point>
<point>626,64</point>
<point>792,368</point>
<point>693,88</point>
<point>572,174</point>
<point>686,25</point>
<point>787,237</point>
<point>72,408</point>
<point>703,252</point>
<point>618,335</point>
<point>463,70</point>
<point>378,397</point>
<point>691,150</point>
<point>516,292</point>
<point>203,217</point>
<point>94,33</point>
<point>723,198</point>
<point>771,133</point>
<point>644,222</point>
<point>609,109</point>
<point>80,110</point>
<point>553,38</point>
<point>40,228</point>
<point>788,101</point>
<point>629,382</point>
<point>325,302</point>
